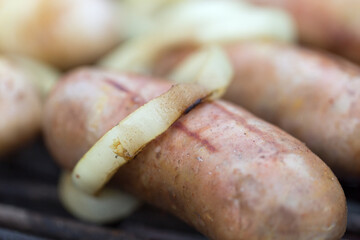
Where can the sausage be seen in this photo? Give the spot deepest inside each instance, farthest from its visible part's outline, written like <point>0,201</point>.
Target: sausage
<point>311,95</point>
<point>219,168</point>
<point>64,33</point>
<point>20,107</point>
<point>331,24</point>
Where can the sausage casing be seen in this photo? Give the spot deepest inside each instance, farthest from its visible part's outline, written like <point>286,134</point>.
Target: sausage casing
<point>219,168</point>
<point>331,24</point>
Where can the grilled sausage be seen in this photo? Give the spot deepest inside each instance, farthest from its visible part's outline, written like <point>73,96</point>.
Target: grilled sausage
<point>309,94</point>
<point>312,96</point>
<point>219,168</point>
<point>20,107</point>
<point>64,33</point>
<point>331,24</point>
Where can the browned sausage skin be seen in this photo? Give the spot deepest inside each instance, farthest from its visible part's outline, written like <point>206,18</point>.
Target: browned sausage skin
<point>312,96</point>
<point>309,94</point>
<point>219,168</point>
<point>330,24</point>
<point>20,107</point>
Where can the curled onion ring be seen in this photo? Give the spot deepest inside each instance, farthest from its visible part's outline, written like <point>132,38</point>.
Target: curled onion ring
<point>109,205</point>
<point>200,23</point>
<point>125,140</point>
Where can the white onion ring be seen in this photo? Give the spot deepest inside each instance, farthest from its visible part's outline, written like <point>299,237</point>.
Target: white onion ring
<point>110,205</point>
<point>126,139</point>
<point>201,23</point>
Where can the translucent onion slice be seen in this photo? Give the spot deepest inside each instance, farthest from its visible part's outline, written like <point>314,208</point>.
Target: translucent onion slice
<point>209,67</point>
<point>110,205</point>
<point>137,55</point>
<point>206,67</point>
<point>228,21</point>
<point>201,22</point>
<point>126,139</point>
<point>138,16</point>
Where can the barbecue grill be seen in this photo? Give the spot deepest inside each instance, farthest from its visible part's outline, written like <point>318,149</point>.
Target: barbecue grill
<point>30,208</point>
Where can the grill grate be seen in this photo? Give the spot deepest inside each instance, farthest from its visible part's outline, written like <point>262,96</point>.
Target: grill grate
<point>30,208</point>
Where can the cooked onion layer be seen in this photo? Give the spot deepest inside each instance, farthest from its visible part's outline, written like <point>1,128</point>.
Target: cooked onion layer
<point>110,205</point>
<point>138,16</point>
<point>209,67</point>
<point>202,23</point>
<point>126,139</point>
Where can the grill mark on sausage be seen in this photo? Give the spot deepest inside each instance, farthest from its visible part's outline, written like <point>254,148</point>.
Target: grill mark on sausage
<point>238,119</point>
<point>251,128</point>
<point>116,85</point>
<point>130,103</point>
<point>195,136</point>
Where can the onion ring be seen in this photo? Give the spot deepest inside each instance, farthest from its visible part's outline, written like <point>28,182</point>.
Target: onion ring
<point>200,23</point>
<point>126,139</point>
<point>110,205</point>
